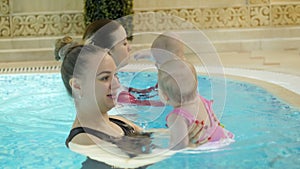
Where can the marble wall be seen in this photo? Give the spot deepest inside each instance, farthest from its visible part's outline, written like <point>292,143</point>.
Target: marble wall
<point>34,18</point>
<point>206,14</point>
<point>28,28</point>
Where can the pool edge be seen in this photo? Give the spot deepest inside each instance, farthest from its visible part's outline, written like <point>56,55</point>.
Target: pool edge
<point>282,85</point>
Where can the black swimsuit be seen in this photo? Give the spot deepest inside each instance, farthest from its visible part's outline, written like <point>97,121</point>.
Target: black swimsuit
<point>127,129</point>
<point>94,164</point>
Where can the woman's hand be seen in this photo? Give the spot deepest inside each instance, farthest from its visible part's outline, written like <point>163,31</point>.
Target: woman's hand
<point>136,144</point>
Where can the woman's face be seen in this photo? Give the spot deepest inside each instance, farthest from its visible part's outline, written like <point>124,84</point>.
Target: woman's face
<point>106,84</point>
<point>120,51</point>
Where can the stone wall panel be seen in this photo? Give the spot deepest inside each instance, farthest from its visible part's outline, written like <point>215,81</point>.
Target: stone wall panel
<point>285,15</point>
<point>47,24</point>
<point>204,15</point>
<point>259,16</point>
<point>4,26</point>
<point>4,7</point>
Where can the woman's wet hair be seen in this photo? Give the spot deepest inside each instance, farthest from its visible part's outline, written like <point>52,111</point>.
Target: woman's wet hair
<point>69,52</point>
<point>61,47</point>
<point>93,27</point>
<point>99,33</point>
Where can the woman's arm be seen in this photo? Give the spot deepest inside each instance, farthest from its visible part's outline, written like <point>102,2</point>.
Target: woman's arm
<point>178,131</point>
<point>194,133</point>
<point>112,155</point>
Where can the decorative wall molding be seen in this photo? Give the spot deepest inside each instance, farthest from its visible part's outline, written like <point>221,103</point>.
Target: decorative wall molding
<point>4,26</point>
<point>38,24</point>
<point>41,25</point>
<point>252,14</point>
<point>27,28</point>
<point>260,13</point>
<point>283,15</point>
<point>47,24</point>
<point>259,1</point>
<point>260,16</point>
<point>4,7</point>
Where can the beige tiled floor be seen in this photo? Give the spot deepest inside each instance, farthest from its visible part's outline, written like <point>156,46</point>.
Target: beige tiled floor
<point>275,61</point>
<point>279,62</point>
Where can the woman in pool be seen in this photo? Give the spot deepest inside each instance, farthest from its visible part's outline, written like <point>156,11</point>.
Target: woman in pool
<point>111,35</point>
<point>93,86</point>
<point>177,83</point>
<point>88,73</point>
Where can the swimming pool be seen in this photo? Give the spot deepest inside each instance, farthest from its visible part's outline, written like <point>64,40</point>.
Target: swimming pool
<point>36,115</point>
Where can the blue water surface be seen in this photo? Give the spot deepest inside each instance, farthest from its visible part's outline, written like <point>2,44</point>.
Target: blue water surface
<point>36,115</point>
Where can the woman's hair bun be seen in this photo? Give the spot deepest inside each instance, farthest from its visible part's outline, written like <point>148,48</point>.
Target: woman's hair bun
<point>62,46</point>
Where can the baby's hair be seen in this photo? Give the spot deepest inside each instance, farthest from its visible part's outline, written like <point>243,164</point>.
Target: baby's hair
<point>178,79</point>
<point>170,42</point>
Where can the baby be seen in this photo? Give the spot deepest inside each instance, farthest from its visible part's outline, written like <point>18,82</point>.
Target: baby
<point>167,46</point>
<point>177,84</point>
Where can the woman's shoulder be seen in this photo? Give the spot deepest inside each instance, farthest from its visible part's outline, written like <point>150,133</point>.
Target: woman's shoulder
<point>85,139</point>
<point>120,118</point>
<point>86,136</point>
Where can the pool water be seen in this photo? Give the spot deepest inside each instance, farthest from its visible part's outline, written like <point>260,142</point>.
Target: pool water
<point>36,114</point>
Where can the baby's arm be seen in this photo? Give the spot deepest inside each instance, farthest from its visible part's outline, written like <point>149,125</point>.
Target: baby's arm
<point>179,132</point>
